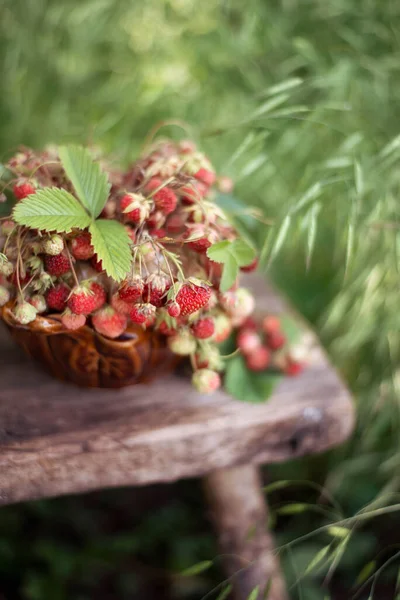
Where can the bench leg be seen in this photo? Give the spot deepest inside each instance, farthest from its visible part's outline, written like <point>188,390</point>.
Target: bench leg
<point>239,511</point>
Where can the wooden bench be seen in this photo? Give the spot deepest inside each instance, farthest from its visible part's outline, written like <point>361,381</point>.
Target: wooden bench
<point>57,439</point>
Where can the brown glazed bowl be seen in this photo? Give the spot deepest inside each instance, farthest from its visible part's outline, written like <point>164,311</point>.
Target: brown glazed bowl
<point>86,358</point>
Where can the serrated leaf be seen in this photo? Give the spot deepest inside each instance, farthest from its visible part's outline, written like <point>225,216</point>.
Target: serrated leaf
<point>90,182</point>
<point>317,560</point>
<point>243,252</point>
<point>197,568</point>
<point>51,209</point>
<point>112,246</point>
<point>229,273</point>
<point>365,572</point>
<point>246,385</point>
<point>220,251</point>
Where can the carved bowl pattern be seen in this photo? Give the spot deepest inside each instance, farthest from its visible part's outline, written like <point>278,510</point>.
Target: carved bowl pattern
<point>88,359</point>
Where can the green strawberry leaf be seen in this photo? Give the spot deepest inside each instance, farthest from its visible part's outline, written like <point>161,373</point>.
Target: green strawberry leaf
<point>243,252</point>
<point>112,246</point>
<point>51,209</point>
<point>90,182</point>
<point>220,251</point>
<point>229,273</point>
<point>246,385</point>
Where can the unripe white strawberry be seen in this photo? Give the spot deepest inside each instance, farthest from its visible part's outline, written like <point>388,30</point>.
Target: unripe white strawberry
<point>6,267</point>
<point>239,303</point>
<point>222,328</point>
<point>4,295</point>
<point>24,313</point>
<point>209,357</point>
<point>183,343</point>
<point>54,245</point>
<point>206,381</point>
<point>39,302</point>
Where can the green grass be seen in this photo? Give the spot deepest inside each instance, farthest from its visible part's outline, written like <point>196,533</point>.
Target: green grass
<point>319,157</point>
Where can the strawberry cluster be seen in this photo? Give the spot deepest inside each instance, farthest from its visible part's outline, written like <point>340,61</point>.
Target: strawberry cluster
<point>165,200</point>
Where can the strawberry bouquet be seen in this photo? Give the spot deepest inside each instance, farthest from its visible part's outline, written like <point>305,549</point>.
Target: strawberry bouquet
<point>148,246</point>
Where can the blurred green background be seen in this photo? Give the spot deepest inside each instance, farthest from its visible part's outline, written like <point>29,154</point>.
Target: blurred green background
<point>297,100</point>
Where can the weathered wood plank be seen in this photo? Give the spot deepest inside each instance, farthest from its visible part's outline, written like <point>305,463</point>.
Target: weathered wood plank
<point>57,439</point>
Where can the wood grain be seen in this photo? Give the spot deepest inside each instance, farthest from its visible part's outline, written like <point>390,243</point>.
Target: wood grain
<point>59,439</point>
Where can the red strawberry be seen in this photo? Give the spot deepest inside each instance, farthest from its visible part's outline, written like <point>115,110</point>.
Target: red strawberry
<point>141,313</point>
<point>176,223</point>
<point>205,176</point>
<point>120,305</point>
<point>72,321</point>
<point>153,184</point>
<point>192,297</point>
<point>155,291</point>
<point>248,341</point>
<point>81,246</point>
<point>276,340</point>
<point>259,359</point>
<point>98,293</point>
<point>165,329</point>
<point>82,301</point>
<point>165,200</point>
<point>135,207</point>
<point>193,193</point>
<point>200,245</point>
<point>251,267</point>
<point>271,324</point>
<point>158,233</point>
<point>97,264</point>
<point>22,189</point>
<point>57,297</point>
<point>57,265</point>
<point>203,328</point>
<point>173,308</point>
<point>131,290</point>
<point>206,381</point>
<point>156,220</point>
<point>109,322</point>
<point>293,368</point>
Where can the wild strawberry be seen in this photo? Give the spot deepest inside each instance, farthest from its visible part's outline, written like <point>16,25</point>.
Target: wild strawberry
<point>176,223</point>
<point>153,184</point>
<point>250,267</point>
<point>276,340</point>
<point>158,233</point>
<point>223,327</point>
<point>213,269</point>
<point>82,301</point>
<point>57,297</point>
<point>239,303</point>
<point>259,359</point>
<point>142,313</point>
<point>165,200</point>
<point>39,302</point>
<point>156,220</point>
<point>248,341</point>
<point>4,295</point>
<point>213,301</point>
<point>173,308</point>
<point>22,189</point>
<point>271,324</point>
<point>120,305</point>
<point>57,265</point>
<point>203,328</point>
<point>205,176</point>
<point>53,245</point>
<point>201,245</point>
<point>131,289</point>
<point>193,193</point>
<point>135,207</point>
<point>81,246</point>
<point>97,264</point>
<point>208,357</point>
<point>166,329</point>
<point>109,322</point>
<point>20,279</point>
<point>192,297</point>
<point>6,267</point>
<point>206,381</point>
<point>186,147</point>
<point>183,343</point>
<point>249,323</point>
<point>72,321</point>
<point>293,368</point>
<point>155,290</point>
<point>98,293</point>
<point>24,313</point>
